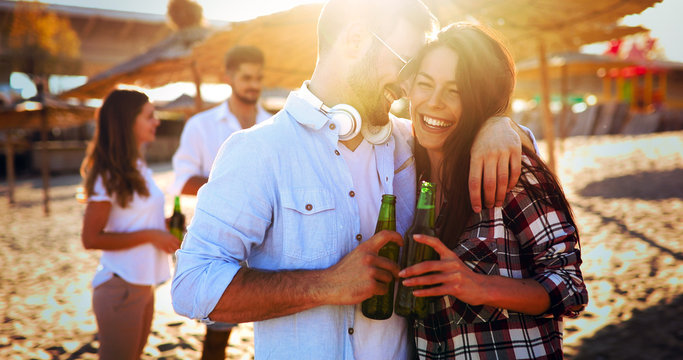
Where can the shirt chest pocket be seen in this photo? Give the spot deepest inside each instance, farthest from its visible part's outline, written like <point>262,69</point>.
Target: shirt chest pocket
<point>310,224</point>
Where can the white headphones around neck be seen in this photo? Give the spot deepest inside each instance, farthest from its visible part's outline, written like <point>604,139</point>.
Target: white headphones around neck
<point>348,123</point>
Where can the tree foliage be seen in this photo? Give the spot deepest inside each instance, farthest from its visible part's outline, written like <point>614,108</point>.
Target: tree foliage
<point>41,42</point>
<point>185,13</point>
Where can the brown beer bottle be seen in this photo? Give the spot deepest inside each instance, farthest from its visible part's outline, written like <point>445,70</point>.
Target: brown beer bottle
<point>380,307</point>
<point>407,305</point>
<point>177,222</point>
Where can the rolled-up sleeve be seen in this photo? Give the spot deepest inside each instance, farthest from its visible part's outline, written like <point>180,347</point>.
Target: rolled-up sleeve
<point>233,213</point>
<point>552,248</point>
<point>187,160</point>
<point>532,137</point>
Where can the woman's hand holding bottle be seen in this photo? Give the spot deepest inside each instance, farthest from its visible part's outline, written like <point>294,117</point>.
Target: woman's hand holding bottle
<point>164,241</point>
<point>447,276</point>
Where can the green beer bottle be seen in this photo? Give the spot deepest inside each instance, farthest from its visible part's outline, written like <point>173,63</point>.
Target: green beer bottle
<point>177,223</point>
<point>380,307</point>
<point>407,305</point>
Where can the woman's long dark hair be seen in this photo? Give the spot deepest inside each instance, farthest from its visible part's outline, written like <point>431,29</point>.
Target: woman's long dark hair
<point>485,75</point>
<point>113,152</point>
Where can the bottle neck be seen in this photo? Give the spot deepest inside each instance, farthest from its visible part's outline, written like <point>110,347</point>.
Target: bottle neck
<point>387,214</point>
<point>176,205</point>
<point>424,214</point>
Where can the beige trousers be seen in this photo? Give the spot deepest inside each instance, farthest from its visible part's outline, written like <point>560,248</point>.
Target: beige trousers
<point>124,318</point>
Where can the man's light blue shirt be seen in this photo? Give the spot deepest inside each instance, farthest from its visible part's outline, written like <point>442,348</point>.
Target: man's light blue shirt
<point>280,197</point>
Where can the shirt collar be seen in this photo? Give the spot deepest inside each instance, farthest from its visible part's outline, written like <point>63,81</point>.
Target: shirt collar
<point>223,113</point>
<point>306,108</point>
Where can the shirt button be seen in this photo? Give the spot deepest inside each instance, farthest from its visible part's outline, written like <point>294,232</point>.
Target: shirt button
<point>350,331</point>
<point>332,127</point>
<point>309,207</point>
<point>359,237</point>
<point>336,152</point>
<point>352,194</point>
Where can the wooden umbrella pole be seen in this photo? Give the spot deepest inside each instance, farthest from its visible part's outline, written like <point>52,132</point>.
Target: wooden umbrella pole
<point>548,128</point>
<point>45,161</point>
<point>9,154</point>
<point>564,119</point>
<point>198,102</point>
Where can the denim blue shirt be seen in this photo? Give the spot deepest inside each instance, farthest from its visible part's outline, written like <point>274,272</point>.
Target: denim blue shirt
<point>280,196</point>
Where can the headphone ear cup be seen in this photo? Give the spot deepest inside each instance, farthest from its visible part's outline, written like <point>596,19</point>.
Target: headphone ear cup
<point>347,121</point>
<point>377,135</point>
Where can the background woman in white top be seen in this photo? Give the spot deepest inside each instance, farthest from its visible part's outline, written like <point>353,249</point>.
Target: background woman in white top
<point>124,218</point>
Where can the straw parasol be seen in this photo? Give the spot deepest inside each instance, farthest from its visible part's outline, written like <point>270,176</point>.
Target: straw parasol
<point>288,40</point>
<point>166,62</point>
<point>34,116</point>
<point>27,116</point>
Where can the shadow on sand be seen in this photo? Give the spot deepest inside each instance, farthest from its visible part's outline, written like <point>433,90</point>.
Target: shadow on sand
<point>654,185</point>
<point>645,336</point>
<point>651,185</point>
<point>632,233</point>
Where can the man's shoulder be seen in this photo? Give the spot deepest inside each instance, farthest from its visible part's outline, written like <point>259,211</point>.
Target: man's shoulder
<point>213,113</point>
<point>277,129</point>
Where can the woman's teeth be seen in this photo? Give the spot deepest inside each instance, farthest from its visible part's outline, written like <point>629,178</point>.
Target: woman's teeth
<point>436,122</point>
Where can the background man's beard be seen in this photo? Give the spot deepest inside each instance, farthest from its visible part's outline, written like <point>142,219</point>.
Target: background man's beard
<point>244,99</point>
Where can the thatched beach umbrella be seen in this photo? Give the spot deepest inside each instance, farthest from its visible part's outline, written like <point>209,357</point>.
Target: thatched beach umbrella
<point>288,40</point>
<point>50,113</point>
<point>168,61</point>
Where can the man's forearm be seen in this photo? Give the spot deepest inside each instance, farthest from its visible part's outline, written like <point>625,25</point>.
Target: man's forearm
<point>193,184</point>
<point>255,295</point>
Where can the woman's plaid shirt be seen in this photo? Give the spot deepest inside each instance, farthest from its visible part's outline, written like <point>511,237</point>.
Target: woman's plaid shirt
<point>525,238</point>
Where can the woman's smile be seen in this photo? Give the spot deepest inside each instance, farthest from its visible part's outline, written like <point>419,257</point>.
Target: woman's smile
<point>436,124</point>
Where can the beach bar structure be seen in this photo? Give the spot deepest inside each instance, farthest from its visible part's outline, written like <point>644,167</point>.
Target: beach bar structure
<point>620,93</point>
<point>51,113</point>
<point>644,84</point>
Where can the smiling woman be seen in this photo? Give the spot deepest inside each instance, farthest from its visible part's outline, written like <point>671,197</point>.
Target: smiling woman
<point>506,276</point>
<point>435,98</point>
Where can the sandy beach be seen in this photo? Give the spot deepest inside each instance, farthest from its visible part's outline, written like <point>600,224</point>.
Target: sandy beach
<point>626,192</point>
